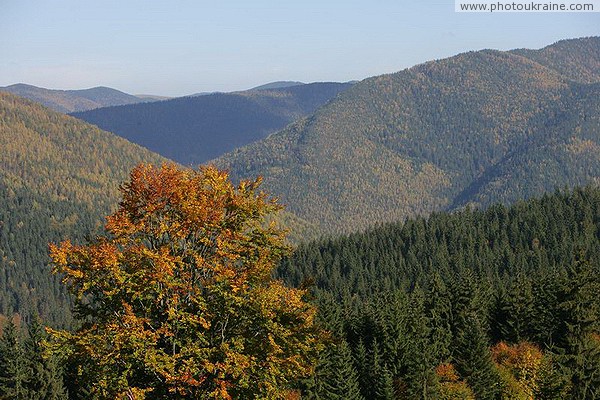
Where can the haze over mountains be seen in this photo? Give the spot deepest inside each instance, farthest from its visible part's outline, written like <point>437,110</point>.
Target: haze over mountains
<point>66,101</point>
<point>278,85</point>
<point>476,128</point>
<point>193,130</point>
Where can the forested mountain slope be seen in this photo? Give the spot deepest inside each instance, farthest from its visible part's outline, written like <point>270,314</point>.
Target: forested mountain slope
<point>491,304</point>
<point>435,136</point>
<point>58,178</point>
<point>565,152</point>
<point>66,101</point>
<point>192,130</point>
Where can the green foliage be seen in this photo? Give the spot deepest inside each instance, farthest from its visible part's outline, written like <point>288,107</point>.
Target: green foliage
<point>381,378</point>
<point>44,375</point>
<point>553,383</point>
<point>26,371</point>
<point>474,360</point>
<point>336,377</point>
<point>415,297</point>
<point>574,58</point>
<point>13,371</point>
<point>578,342</point>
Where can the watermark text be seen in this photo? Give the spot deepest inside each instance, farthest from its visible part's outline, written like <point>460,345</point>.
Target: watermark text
<point>490,6</point>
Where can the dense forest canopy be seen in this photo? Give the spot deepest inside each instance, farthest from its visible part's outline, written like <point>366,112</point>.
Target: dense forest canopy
<point>66,101</point>
<point>501,303</point>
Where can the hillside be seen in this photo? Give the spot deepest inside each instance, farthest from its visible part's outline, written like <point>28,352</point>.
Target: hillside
<point>564,153</point>
<point>435,136</point>
<point>58,178</point>
<point>66,101</point>
<point>192,130</point>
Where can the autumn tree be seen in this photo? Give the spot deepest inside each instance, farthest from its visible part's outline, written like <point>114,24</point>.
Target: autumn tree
<point>177,300</point>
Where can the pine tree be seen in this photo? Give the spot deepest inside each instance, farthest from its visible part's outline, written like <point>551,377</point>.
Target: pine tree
<point>518,311</point>
<point>552,383</point>
<point>419,362</point>
<point>362,364</point>
<point>579,351</point>
<point>439,311</point>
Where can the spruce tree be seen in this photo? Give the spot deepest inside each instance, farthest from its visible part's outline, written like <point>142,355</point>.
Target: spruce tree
<point>518,311</point>
<point>362,363</point>
<point>13,369</point>
<point>552,382</point>
<point>337,374</point>
<point>579,351</point>
<point>382,380</point>
<point>474,361</point>
<point>419,361</point>
<point>439,310</point>
<point>45,377</point>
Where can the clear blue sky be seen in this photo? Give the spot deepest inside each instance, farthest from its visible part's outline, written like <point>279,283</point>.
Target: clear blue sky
<point>178,47</point>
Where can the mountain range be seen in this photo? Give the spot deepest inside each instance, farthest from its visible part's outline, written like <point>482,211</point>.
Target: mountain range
<point>473,129</point>
<point>192,130</point>
<point>66,101</point>
<point>278,85</point>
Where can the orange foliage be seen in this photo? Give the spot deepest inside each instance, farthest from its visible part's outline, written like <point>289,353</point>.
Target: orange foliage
<point>451,386</point>
<point>182,298</point>
<point>522,361</point>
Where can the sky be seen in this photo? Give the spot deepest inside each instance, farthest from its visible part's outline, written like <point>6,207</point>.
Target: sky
<point>180,47</point>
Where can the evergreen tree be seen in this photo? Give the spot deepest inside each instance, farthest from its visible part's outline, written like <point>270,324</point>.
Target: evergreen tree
<point>517,310</point>
<point>382,380</point>
<point>45,380</point>
<point>13,369</point>
<point>579,352</point>
<point>419,361</point>
<point>336,375</point>
<point>362,363</point>
<point>552,383</point>
<point>439,311</point>
<point>473,359</point>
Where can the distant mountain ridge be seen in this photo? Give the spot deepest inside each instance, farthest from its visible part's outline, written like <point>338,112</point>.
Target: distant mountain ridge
<point>576,59</point>
<point>475,128</point>
<point>192,130</point>
<point>278,85</point>
<point>66,101</point>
